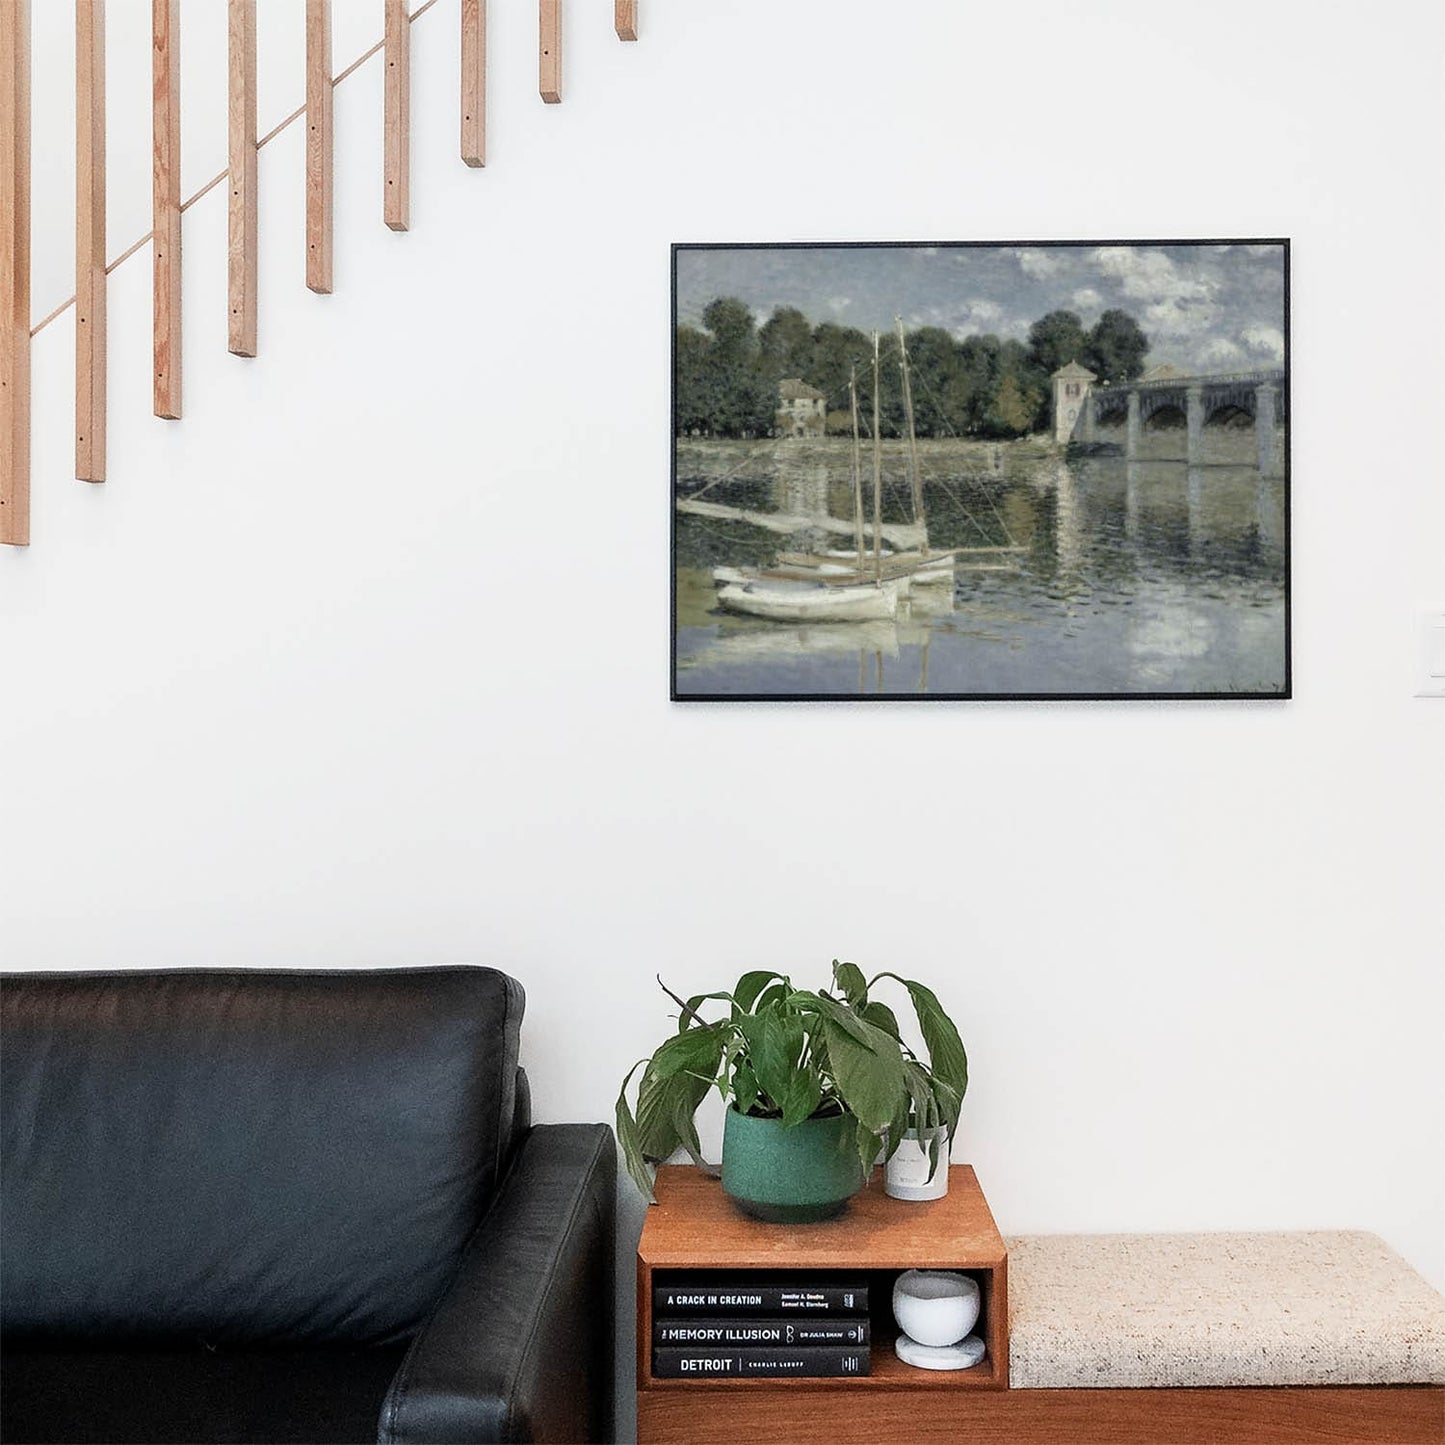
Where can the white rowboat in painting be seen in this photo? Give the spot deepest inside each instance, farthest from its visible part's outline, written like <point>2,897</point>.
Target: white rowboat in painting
<point>811,602</point>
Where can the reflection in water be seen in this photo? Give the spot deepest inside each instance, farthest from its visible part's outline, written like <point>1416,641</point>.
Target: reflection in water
<point>1194,488</point>
<point>748,641</point>
<point>1136,577</point>
<point>1068,526</point>
<point>803,490</point>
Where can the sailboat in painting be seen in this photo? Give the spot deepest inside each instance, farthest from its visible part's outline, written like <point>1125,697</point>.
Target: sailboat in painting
<point>841,585</point>
<point>821,589</point>
<point>920,567</point>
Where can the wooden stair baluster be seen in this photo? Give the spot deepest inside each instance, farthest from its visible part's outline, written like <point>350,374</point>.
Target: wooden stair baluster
<point>166,204</point>
<point>242,224</point>
<point>90,286</point>
<point>165,120</point>
<point>549,50</point>
<point>625,19</point>
<point>474,82</point>
<point>396,105</point>
<point>15,272</point>
<point>318,146</point>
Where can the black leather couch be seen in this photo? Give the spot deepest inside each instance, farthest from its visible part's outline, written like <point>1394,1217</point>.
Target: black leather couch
<point>293,1206</point>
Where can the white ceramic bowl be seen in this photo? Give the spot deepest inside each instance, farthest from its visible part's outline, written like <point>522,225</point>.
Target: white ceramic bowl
<point>935,1306</point>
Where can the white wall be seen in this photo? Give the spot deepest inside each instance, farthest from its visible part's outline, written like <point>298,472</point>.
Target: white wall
<point>365,661</point>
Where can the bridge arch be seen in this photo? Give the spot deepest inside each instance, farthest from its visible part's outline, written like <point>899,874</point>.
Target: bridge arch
<point>1162,409</point>
<point>1112,409</point>
<point>1229,414</point>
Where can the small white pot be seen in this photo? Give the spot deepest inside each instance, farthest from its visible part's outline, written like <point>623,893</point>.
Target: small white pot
<point>905,1176</point>
<point>935,1306</point>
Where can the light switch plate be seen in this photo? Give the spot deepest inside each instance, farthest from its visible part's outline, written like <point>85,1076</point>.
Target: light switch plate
<point>1432,653</point>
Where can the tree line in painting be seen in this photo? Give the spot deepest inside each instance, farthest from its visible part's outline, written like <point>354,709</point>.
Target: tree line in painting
<point>728,370</point>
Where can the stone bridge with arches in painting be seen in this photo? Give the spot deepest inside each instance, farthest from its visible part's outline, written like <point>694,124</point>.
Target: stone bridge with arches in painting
<point>1169,397</point>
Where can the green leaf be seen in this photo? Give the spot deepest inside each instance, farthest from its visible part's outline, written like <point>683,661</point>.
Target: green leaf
<point>935,1153</point>
<point>934,1106</point>
<point>840,1016</point>
<point>660,1104</point>
<point>745,1087</point>
<point>949,1104</point>
<point>881,1016</point>
<point>804,1094</point>
<point>691,1018</point>
<point>685,1128</point>
<point>848,978</point>
<point>819,1062</point>
<point>945,1049</point>
<point>695,1051</point>
<point>867,1143</point>
<point>735,1050</point>
<point>897,1127</point>
<point>630,1138</point>
<point>775,1045</point>
<point>922,1107</point>
<point>869,1075</point>
<point>677,1077</point>
<point>774,993</point>
<point>750,985</point>
<point>688,1016</point>
<point>657,1137</point>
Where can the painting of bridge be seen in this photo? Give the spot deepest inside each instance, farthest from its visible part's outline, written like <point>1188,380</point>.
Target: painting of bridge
<point>981,471</point>
<point>1085,413</point>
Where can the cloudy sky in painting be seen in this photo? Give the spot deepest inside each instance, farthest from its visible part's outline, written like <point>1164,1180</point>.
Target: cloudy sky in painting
<point>1206,307</point>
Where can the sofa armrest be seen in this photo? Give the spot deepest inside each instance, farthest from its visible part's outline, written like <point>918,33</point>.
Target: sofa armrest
<point>520,1346</point>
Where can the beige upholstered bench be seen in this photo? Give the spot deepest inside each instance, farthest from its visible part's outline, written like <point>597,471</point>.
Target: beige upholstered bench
<point>1224,1337</point>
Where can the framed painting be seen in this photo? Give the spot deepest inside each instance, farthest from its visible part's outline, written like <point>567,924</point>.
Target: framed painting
<point>978,471</point>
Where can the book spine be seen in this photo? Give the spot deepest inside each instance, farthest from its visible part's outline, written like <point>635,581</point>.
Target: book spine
<point>816,1361</point>
<point>743,1299</point>
<point>789,1331</point>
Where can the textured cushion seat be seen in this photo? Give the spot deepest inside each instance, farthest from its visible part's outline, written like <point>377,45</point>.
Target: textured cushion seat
<point>1177,1310</point>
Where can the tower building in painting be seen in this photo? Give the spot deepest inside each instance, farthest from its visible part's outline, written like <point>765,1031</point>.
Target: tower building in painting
<point>1071,386</point>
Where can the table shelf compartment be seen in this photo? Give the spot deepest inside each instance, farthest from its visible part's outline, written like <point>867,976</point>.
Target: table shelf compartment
<point>696,1232</point>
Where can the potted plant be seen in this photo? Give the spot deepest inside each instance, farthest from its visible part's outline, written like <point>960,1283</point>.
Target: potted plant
<point>816,1083</point>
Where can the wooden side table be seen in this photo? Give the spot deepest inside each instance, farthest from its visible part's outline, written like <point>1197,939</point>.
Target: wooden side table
<point>695,1226</point>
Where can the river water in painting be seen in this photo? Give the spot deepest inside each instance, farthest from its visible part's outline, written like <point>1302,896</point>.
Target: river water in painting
<point>1142,577</point>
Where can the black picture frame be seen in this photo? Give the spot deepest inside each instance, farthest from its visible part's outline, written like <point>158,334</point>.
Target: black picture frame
<point>1263,561</point>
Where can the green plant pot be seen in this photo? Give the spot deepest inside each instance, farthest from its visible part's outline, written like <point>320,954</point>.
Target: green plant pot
<point>791,1176</point>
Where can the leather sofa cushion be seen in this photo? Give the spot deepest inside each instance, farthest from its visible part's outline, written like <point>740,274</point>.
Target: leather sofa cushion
<point>247,1156</point>
<point>110,1397</point>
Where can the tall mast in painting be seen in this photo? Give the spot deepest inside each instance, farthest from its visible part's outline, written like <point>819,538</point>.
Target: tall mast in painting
<point>877,475</point>
<point>915,476</point>
<point>857,468</point>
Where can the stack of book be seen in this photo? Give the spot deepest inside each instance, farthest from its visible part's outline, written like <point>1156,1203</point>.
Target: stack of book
<point>743,1327</point>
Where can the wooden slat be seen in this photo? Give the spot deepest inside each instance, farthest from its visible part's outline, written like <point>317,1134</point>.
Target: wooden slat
<point>625,19</point>
<point>474,82</point>
<point>931,1413</point>
<point>166,203</point>
<point>15,272</point>
<point>396,104</point>
<point>90,292</point>
<point>318,145</point>
<point>549,50</point>
<point>242,217</point>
